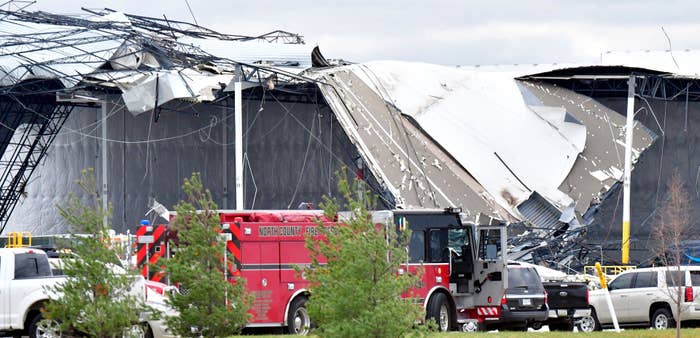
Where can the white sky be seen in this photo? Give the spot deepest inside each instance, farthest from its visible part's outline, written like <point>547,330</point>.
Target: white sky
<point>439,31</point>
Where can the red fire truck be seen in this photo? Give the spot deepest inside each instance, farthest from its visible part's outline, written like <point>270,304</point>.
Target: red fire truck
<point>463,264</point>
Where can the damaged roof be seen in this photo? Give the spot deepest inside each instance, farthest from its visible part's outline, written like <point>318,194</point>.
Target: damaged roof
<point>150,61</point>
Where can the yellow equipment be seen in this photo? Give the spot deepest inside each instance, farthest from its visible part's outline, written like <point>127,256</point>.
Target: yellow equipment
<point>19,239</point>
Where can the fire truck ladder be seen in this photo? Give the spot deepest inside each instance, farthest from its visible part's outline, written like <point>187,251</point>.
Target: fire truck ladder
<point>28,125</point>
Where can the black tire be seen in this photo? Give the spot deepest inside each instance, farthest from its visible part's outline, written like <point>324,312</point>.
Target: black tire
<point>43,328</point>
<point>439,310</point>
<point>567,326</point>
<point>536,325</point>
<point>662,319</point>
<point>147,331</point>
<point>589,323</point>
<point>482,327</point>
<point>298,320</point>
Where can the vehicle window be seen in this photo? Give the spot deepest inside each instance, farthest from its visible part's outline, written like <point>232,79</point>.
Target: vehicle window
<point>438,240</point>
<point>523,277</point>
<point>489,244</point>
<point>31,265</point>
<point>416,248</point>
<point>695,278</point>
<point>622,282</point>
<point>647,279</point>
<point>672,278</point>
<point>459,237</point>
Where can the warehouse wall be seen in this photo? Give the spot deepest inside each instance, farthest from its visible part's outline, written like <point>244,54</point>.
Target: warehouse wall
<point>293,151</point>
<point>676,149</point>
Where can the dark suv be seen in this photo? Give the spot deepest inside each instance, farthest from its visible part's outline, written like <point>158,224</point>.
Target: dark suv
<point>524,303</point>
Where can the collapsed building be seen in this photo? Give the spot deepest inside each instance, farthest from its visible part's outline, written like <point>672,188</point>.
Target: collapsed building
<point>147,101</point>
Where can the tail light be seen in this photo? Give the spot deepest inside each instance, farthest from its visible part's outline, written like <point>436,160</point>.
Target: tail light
<point>688,293</point>
<point>588,297</point>
<point>504,301</point>
<point>545,297</point>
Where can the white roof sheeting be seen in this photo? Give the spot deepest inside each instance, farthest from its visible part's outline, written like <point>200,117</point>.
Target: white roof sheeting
<point>476,115</point>
<point>680,62</point>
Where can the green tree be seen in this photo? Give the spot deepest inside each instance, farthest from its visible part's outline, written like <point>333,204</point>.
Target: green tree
<point>358,292</point>
<point>675,227</point>
<point>209,305</point>
<point>96,299</point>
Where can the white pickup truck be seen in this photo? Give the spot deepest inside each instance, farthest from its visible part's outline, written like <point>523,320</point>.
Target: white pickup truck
<point>24,275</point>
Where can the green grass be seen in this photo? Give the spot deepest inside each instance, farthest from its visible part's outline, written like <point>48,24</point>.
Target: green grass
<point>635,333</point>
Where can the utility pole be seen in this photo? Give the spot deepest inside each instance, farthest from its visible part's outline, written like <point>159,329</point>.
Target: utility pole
<point>105,205</point>
<point>628,169</point>
<point>238,125</point>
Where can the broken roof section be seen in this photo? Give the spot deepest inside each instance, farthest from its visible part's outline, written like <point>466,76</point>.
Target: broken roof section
<point>512,149</point>
<point>151,61</point>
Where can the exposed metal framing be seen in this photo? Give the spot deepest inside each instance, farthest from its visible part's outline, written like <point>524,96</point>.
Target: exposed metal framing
<point>661,87</point>
<point>29,128</point>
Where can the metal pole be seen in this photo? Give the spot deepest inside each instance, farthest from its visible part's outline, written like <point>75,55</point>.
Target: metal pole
<point>238,125</point>
<point>104,164</point>
<point>628,168</point>
<point>224,153</point>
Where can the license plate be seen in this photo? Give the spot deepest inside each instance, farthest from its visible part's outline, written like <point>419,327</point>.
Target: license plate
<point>527,302</point>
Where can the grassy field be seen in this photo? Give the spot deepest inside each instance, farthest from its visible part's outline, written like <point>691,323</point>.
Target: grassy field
<point>638,333</point>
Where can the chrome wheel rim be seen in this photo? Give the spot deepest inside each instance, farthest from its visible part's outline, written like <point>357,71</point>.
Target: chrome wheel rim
<point>661,322</point>
<point>302,322</point>
<point>47,328</point>
<point>587,324</point>
<point>444,318</point>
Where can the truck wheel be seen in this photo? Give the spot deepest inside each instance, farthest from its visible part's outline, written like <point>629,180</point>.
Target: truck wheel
<point>589,323</point>
<point>662,319</point>
<point>298,320</point>
<point>439,310</point>
<point>148,332</point>
<point>44,328</point>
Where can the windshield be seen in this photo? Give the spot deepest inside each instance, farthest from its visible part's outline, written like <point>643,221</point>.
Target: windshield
<point>458,238</point>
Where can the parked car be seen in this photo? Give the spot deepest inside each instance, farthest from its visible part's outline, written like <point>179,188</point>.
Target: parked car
<point>524,303</point>
<point>646,297</point>
<point>567,298</point>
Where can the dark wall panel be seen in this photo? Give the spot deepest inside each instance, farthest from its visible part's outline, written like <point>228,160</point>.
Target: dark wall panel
<point>293,151</point>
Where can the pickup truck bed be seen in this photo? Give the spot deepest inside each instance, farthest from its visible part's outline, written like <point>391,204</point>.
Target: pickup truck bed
<point>567,301</point>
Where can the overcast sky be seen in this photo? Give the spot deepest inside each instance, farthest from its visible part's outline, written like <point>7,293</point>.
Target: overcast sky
<point>445,32</point>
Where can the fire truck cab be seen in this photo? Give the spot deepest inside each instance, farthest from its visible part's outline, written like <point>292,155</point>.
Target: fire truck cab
<point>463,264</point>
